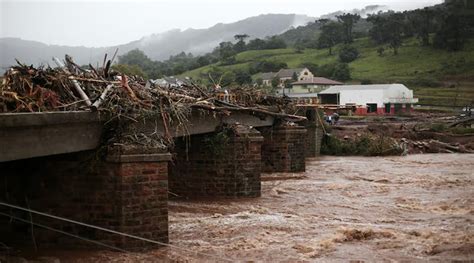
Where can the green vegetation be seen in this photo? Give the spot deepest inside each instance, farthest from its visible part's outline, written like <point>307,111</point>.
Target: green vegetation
<point>131,70</point>
<point>364,145</point>
<point>348,54</point>
<point>414,62</point>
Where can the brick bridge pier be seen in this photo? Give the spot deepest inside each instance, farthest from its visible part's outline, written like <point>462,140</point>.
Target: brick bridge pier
<point>51,164</point>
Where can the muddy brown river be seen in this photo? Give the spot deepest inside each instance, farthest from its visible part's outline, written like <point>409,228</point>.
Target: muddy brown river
<point>412,208</point>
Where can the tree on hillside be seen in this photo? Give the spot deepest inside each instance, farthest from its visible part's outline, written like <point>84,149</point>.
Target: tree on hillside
<point>242,77</point>
<point>331,34</point>
<point>341,72</point>
<point>256,44</point>
<point>456,24</point>
<point>348,54</point>
<point>225,50</point>
<point>348,20</point>
<point>274,43</point>
<point>421,22</point>
<point>241,37</point>
<point>203,61</point>
<point>136,57</point>
<point>387,28</point>
<point>240,45</point>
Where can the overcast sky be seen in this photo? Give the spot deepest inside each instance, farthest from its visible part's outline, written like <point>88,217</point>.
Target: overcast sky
<point>105,23</point>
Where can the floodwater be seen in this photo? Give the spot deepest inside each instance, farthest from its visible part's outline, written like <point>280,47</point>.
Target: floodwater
<point>412,208</point>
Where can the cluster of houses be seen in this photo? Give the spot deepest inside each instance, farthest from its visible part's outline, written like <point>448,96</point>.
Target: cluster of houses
<point>302,86</point>
<point>305,88</point>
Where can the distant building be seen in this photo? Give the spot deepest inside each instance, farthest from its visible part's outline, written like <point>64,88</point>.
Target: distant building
<point>313,85</point>
<point>286,74</point>
<point>370,99</point>
<point>306,91</point>
<point>171,81</point>
<point>267,78</point>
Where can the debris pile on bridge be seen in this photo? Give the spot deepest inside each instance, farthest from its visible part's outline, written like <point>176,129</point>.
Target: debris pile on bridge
<point>70,87</point>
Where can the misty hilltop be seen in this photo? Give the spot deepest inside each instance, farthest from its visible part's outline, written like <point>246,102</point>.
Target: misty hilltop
<point>156,46</point>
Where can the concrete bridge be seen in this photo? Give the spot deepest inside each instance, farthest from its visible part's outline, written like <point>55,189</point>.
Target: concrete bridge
<point>54,163</point>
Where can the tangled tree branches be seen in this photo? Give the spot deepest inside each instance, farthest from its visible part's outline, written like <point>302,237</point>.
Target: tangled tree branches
<point>71,88</point>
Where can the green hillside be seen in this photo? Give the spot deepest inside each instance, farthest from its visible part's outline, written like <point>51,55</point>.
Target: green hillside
<point>413,62</point>
<point>428,71</point>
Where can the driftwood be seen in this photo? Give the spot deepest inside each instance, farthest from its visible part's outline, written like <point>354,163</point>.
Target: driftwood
<point>177,96</point>
<point>94,80</point>
<point>102,97</point>
<point>435,146</point>
<point>127,87</point>
<point>79,90</point>
<point>252,111</point>
<point>466,120</point>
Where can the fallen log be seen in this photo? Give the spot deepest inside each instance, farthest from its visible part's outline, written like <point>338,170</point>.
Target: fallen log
<point>466,120</point>
<point>251,110</point>
<point>94,80</point>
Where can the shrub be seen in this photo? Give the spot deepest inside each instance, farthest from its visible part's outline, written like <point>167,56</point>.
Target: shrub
<point>341,72</point>
<point>438,127</point>
<point>348,54</point>
<point>365,145</point>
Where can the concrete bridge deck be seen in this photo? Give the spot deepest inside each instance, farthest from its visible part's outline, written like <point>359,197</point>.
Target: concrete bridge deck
<point>28,135</point>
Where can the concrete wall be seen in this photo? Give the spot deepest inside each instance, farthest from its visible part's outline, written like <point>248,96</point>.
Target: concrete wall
<point>361,97</point>
<point>306,88</point>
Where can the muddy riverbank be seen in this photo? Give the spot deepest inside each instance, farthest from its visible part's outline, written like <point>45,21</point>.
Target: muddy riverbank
<point>412,208</point>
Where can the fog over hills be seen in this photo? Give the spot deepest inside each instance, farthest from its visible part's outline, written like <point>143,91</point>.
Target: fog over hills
<point>160,46</point>
<point>156,46</point>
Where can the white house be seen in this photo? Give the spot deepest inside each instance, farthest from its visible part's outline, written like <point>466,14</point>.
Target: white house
<point>286,75</point>
<point>367,99</point>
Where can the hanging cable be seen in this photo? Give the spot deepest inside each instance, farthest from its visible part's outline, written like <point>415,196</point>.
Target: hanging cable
<point>64,233</point>
<point>111,231</point>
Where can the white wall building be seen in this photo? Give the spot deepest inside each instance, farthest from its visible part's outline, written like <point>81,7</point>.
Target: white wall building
<point>377,98</point>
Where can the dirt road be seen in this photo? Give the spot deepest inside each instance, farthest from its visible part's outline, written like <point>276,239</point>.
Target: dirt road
<point>413,208</point>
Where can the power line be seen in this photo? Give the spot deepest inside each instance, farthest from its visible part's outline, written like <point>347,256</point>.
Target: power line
<point>65,233</point>
<point>110,231</point>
